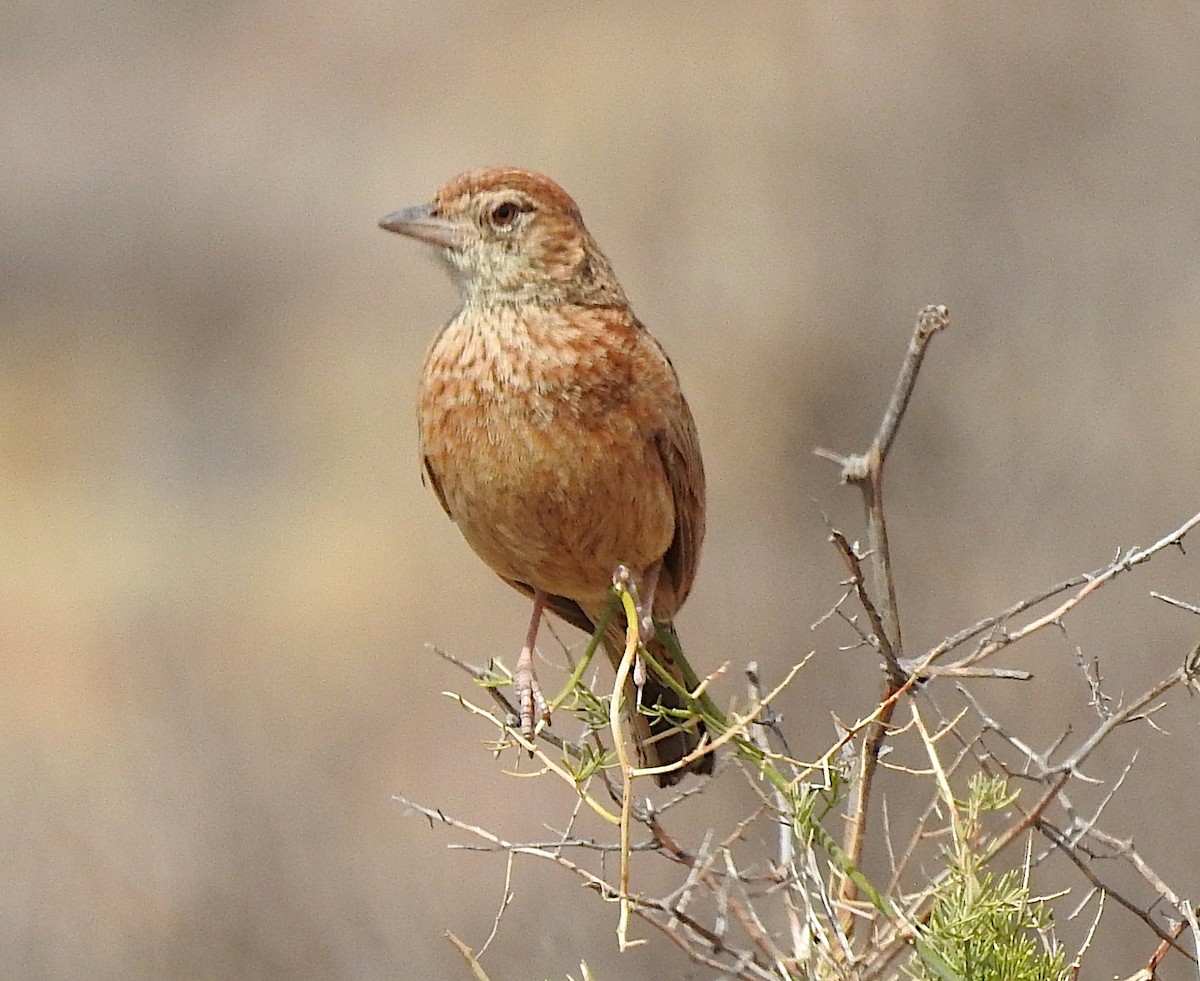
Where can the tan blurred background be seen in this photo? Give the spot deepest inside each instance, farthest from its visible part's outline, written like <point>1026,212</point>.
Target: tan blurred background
<point>221,571</point>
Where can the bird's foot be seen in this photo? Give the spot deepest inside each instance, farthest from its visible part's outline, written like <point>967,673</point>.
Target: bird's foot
<point>645,604</point>
<point>639,674</point>
<point>529,695</point>
<point>646,629</point>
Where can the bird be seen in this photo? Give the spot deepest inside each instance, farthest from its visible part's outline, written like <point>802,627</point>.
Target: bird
<point>554,433</point>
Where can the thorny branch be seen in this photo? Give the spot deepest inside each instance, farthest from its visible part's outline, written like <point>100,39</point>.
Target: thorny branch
<point>866,470</point>
<point>794,911</point>
<point>1122,563</point>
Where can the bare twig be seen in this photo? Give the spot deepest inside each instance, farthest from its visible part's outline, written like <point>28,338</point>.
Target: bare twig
<point>468,955</point>
<point>1124,848</point>
<point>989,623</point>
<point>866,470</point>
<point>1072,853</point>
<point>1171,601</point>
<point>1131,559</point>
<point>858,583</point>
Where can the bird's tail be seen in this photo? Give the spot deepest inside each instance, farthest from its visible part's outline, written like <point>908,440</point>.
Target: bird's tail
<point>660,740</point>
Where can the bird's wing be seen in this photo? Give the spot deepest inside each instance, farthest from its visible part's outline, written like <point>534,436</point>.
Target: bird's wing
<point>430,478</point>
<point>679,449</point>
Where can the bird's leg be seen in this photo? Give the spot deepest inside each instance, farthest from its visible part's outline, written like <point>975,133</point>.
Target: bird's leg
<point>646,608</point>
<point>529,694</point>
<point>645,611</point>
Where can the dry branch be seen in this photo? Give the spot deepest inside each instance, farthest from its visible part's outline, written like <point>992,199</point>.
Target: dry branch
<point>801,906</point>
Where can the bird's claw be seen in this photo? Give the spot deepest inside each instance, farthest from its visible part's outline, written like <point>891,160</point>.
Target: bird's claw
<point>646,627</point>
<point>529,695</point>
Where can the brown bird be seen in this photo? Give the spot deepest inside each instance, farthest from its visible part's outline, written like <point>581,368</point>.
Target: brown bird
<point>554,432</point>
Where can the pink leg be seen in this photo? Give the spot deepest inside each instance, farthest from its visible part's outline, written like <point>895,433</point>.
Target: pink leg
<point>529,694</point>
<point>649,585</point>
<point>645,622</point>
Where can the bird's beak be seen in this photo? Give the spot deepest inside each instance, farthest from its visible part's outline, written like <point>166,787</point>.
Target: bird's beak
<point>422,223</point>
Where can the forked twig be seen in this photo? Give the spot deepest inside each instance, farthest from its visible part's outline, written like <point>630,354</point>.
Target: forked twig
<point>866,470</point>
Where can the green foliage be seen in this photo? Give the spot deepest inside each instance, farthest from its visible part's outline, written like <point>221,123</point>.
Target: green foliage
<point>586,761</point>
<point>986,927</point>
<point>589,708</point>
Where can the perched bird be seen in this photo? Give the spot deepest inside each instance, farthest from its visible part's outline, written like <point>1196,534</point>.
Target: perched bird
<point>554,432</point>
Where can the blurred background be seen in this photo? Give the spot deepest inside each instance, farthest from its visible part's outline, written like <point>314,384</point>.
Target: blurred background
<point>222,573</point>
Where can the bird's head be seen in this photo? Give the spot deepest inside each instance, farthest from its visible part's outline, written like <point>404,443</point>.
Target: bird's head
<point>511,235</point>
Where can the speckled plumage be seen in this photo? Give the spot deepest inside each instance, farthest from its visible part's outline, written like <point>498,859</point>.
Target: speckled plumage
<point>552,425</point>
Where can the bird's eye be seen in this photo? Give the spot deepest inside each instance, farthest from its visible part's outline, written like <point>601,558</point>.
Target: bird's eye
<point>505,213</point>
